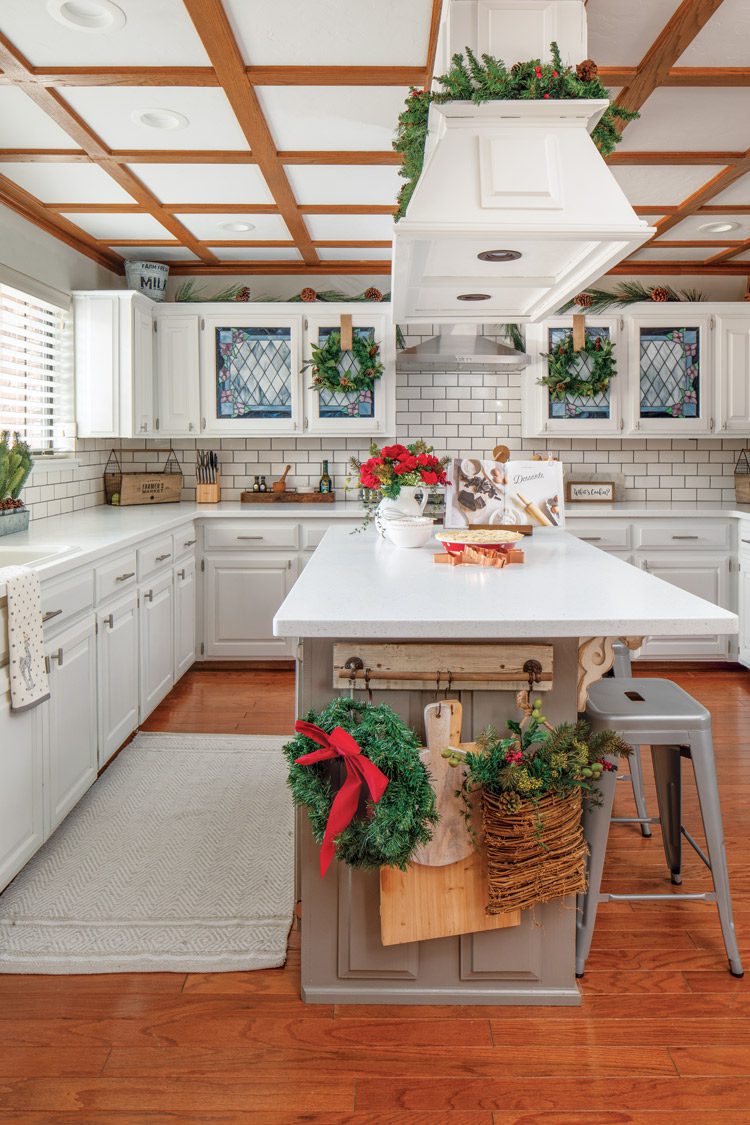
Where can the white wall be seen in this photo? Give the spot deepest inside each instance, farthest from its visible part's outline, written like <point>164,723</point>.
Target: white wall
<point>28,250</point>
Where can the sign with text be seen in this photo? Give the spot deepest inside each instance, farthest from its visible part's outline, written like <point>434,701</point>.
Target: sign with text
<point>591,491</point>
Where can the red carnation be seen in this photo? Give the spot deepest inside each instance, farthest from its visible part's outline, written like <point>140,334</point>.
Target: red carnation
<point>394,452</point>
<point>430,478</point>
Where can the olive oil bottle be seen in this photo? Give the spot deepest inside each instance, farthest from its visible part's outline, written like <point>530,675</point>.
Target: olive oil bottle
<point>326,484</point>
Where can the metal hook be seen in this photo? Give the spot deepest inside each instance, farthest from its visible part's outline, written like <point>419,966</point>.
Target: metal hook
<point>367,685</point>
<point>353,665</point>
<point>450,682</point>
<point>437,693</point>
<point>534,671</point>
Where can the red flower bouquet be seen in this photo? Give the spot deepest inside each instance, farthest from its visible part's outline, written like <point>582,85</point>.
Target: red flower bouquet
<point>388,469</point>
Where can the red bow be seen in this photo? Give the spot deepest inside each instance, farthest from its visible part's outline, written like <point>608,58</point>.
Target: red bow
<point>359,770</point>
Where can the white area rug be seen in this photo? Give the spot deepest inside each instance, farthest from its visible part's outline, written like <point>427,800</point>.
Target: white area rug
<point>179,859</point>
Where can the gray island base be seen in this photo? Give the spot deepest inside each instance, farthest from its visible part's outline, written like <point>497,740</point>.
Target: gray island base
<point>358,590</point>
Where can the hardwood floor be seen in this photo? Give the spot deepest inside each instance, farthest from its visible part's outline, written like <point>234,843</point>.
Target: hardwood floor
<point>662,1038</point>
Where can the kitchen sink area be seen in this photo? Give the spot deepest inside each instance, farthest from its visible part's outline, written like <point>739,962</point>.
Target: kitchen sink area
<point>32,556</point>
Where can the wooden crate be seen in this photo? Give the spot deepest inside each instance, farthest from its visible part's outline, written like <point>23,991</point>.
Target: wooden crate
<point>122,489</point>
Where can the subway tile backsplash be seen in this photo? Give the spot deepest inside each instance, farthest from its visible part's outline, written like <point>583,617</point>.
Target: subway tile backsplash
<point>458,413</point>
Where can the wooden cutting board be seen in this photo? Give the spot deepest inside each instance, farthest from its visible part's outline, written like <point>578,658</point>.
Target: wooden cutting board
<point>451,840</point>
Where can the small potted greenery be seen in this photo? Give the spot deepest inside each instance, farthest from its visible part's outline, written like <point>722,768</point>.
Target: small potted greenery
<point>15,465</point>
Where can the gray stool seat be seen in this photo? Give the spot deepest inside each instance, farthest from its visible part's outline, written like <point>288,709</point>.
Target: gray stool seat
<point>659,714</point>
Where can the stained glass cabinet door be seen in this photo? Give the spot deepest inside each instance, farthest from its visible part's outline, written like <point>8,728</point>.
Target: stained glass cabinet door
<point>671,372</point>
<point>251,365</point>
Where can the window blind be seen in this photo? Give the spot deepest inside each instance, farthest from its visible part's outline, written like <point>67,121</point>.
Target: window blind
<point>36,384</point>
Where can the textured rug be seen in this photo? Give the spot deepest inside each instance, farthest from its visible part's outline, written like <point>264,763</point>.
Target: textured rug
<point>179,859</point>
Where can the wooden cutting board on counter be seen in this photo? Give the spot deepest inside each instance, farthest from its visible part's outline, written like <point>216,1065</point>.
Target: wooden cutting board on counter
<point>444,894</point>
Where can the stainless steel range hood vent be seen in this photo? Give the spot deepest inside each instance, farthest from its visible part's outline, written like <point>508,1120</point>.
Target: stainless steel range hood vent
<point>459,346</point>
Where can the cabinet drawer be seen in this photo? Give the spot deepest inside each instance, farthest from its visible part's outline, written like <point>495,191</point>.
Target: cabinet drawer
<point>250,535</point>
<point>312,533</point>
<point>63,599</point>
<point>115,576</point>
<point>605,535</point>
<point>155,556</point>
<point>682,533</point>
<point>184,541</point>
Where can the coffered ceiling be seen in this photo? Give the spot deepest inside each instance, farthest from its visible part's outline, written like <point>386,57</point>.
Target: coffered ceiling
<point>254,136</point>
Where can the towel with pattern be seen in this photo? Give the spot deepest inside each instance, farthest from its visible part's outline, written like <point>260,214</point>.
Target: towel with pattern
<point>29,685</point>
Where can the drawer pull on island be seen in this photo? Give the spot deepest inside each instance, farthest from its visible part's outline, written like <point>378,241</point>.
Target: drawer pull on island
<point>591,538</point>
<point>50,614</point>
<point>124,577</point>
<point>686,536</point>
<point>259,538</point>
<point>161,558</point>
<point>189,543</point>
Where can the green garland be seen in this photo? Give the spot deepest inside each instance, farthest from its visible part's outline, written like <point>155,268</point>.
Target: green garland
<point>403,817</point>
<point>326,365</point>
<point>565,377</point>
<point>490,80</point>
<point>629,293</point>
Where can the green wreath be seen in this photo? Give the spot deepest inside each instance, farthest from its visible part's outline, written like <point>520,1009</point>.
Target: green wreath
<point>326,365</point>
<point>403,817</point>
<point>566,375</point>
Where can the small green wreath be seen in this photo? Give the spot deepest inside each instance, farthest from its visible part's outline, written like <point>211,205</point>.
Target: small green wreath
<point>326,365</point>
<point>403,817</point>
<point>566,375</point>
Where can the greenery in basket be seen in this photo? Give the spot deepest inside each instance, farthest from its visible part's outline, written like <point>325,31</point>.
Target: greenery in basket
<point>15,465</point>
<point>470,79</point>
<point>568,374</point>
<point>403,817</point>
<point>326,361</point>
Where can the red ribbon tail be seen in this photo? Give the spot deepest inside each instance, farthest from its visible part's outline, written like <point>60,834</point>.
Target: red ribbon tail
<point>342,810</point>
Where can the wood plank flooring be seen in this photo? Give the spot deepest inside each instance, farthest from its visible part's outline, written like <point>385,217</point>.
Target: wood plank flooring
<point>662,1038</point>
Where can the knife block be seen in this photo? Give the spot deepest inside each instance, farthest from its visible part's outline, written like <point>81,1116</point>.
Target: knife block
<point>208,493</point>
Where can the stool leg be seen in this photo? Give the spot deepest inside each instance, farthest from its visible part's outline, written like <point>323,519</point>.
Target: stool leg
<point>701,752</point>
<point>636,780</point>
<point>596,820</point>
<point>667,774</point>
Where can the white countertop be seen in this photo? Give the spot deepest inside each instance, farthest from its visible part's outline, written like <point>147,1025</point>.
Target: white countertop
<point>637,509</point>
<point>362,586</point>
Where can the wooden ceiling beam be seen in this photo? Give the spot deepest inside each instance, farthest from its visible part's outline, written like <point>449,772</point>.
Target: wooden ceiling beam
<point>681,75</point>
<point>695,202</point>
<point>432,42</point>
<point>282,268</point>
<point>730,252</point>
<point>651,268</point>
<point>669,45</point>
<point>211,23</point>
<point>620,159</point>
<point>201,156</point>
<point>44,156</point>
<point>336,75</point>
<point>124,76</point>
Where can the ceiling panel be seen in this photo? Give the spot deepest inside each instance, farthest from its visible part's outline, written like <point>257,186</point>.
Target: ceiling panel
<point>24,125</point>
<point>66,183</point>
<point>331,32</point>
<point>156,253</point>
<point>264,228</point>
<point>691,118</point>
<point>257,253</point>
<point>155,33</point>
<point>204,183</point>
<point>660,183</point>
<point>347,183</point>
<point>106,226</point>
<point>690,228</point>
<point>620,33</point>
<point>724,41</point>
<point>354,253</point>
<point>371,228</point>
<point>108,110</point>
<point>739,192</point>
<point>332,117</point>
<point>744,257</point>
<point>675,254</point>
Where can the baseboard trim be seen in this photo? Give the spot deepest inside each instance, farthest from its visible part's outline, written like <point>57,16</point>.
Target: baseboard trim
<point>689,666</point>
<point>242,666</point>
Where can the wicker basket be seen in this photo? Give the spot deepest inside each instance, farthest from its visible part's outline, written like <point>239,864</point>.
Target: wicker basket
<point>123,488</point>
<point>535,854</point>
<point>742,478</point>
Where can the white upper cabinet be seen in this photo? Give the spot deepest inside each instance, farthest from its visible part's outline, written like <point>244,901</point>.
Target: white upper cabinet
<point>671,371</point>
<point>733,373</point>
<point>114,364</point>
<point>178,409</point>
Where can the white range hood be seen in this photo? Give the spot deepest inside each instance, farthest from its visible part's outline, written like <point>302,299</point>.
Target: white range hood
<point>515,211</point>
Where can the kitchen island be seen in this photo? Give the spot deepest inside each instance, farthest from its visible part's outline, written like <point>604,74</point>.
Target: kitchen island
<point>567,602</point>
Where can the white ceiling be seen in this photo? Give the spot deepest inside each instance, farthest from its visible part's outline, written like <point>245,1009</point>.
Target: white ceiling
<point>66,183</point>
<point>691,118</point>
<point>174,253</point>
<point>341,183</point>
<point>332,117</point>
<point>24,125</point>
<point>724,41</point>
<point>268,228</point>
<point>204,183</point>
<point>665,184</point>
<point>106,226</point>
<point>621,33</point>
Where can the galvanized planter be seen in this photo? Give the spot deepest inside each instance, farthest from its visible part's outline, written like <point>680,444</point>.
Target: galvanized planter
<point>13,521</point>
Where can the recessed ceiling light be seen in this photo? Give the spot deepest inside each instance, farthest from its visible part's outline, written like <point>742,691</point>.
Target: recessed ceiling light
<point>159,118</point>
<point>87,15</point>
<point>499,255</point>
<point>718,228</point>
<point>473,297</point>
<point>237,227</point>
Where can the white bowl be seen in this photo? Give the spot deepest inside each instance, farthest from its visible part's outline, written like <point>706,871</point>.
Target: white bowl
<point>410,532</point>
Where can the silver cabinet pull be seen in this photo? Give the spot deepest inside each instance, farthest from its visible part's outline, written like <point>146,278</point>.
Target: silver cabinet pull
<point>258,537</point>
<point>58,656</point>
<point>189,542</point>
<point>181,574</point>
<point>744,540</point>
<point>110,620</point>
<point>161,558</point>
<point>686,536</point>
<point>50,614</point>
<point>149,595</point>
<point>591,538</point>
<point>124,577</point>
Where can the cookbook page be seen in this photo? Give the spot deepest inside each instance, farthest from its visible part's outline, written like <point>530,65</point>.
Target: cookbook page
<point>488,493</point>
<point>534,490</point>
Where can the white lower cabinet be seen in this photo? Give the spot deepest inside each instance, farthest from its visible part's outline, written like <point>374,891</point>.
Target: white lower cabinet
<point>184,616</point>
<point>743,607</point>
<point>70,720</point>
<point>117,669</point>
<point>242,593</point>
<point>21,787</point>
<point>156,631</point>
<point>706,576</point>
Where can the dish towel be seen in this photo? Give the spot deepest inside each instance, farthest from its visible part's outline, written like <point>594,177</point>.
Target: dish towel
<point>29,685</point>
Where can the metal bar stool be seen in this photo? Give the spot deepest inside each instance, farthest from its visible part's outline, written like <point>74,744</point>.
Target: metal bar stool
<point>622,668</point>
<point>659,714</point>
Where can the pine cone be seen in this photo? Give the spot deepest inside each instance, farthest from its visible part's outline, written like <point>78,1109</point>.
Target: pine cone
<point>659,294</point>
<point>587,70</point>
<point>584,300</point>
<point>373,294</point>
<point>308,295</point>
<point>509,803</point>
<point>244,294</point>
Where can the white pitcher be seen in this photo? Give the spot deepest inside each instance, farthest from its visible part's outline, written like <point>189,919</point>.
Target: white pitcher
<point>405,506</point>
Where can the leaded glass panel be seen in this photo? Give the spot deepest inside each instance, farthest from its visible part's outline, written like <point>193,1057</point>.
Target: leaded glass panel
<point>346,404</point>
<point>670,372</point>
<point>578,406</point>
<point>254,373</point>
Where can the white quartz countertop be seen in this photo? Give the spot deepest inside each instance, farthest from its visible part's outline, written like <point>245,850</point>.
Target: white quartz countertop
<point>362,586</point>
<point>637,509</point>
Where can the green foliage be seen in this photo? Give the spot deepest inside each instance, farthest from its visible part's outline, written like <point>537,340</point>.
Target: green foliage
<point>534,761</point>
<point>568,375</point>
<point>515,335</point>
<point>326,364</point>
<point>488,79</point>
<point>190,291</point>
<point>15,465</point>
<point>630,293</point>
<point>405,814</point>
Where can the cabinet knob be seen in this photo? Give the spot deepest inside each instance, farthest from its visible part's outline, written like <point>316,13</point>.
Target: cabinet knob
<point>110,620</point>
<point>190,426</point>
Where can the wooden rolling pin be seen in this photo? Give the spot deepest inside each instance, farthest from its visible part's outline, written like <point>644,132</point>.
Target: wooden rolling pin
<point>533,511</point>
<point>280,484</point>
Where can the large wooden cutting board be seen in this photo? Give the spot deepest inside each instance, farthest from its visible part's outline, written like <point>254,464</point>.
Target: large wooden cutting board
<point>451,840</point>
